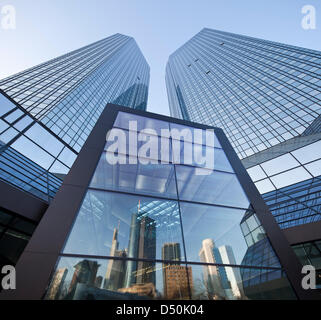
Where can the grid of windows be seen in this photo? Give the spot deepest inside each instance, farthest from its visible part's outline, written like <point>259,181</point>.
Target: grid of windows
<point>54,106</point>
<point>259,92</point>
<point>160,231</point>
<point>296,204</point>
<point>290,168</point>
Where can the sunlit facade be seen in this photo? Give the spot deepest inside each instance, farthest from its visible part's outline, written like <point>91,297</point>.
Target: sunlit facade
<point>259,92</point>
<point>48,111</point>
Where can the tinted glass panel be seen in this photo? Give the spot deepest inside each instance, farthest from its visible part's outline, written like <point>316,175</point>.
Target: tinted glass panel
<point>112,224</point>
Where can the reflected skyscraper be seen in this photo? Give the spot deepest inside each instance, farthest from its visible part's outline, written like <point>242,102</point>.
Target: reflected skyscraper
<point>266,96</point>
<point>57,284</point>
<point>85,273</point>
<point>233,274</point>
<point>142,245</point>
<point>177,279</point>
<point>215,277</point>
<point>116,269</point>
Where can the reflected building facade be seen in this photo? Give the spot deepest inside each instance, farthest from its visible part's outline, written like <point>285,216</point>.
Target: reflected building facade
<point>160,215</point>
<point>177,279</point>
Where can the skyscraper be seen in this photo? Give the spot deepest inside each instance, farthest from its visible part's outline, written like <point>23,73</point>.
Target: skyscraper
<point>233,275</point>
<point>48,111</point>
<point>215,277</point>
<point>114,277</point>
<point>259,92</point>
<point>177,279</point>
<point>266,96</point>
<point>157,221</point>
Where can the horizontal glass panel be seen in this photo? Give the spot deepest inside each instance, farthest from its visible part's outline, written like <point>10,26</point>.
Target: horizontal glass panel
<point>256,173</point>
<point>8,135</point>
<point>200,156</point>
<point>192,134</point>
<point>264,186</point>
<point>113,224</point>
<point>207,229</point>
<point>44,139</point>
<point>108,279</point>
<point>151,179</point>
<point>290,177</point>
<point>67,157</point>
<point>59,169</point>
<point>308,153</point>
<point>3,126</point>
<point>232,283</point>
<point>214,187</point>
<point>279,164</point>
<point>33,152</point>
<point>13,116</point>
<point>314,168</point>
<point>123,119</point>
<point>23,123</point>
<point>5,105</point>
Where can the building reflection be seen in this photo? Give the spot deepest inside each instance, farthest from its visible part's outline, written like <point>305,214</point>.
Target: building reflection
<point>177,279</point>
<point>116,269</point>
<point>217,282</point>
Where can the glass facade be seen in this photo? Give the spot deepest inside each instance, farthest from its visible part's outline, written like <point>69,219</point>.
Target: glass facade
<point>310,254</point>
<point>15,233</point>
<point>259,92</point>
<point>266,96</point>
<point>290,168</point>
<point>55,105</point>
<point>155,230</point>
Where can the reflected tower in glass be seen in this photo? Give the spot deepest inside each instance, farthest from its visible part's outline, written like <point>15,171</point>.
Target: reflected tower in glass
<point>156,229</point>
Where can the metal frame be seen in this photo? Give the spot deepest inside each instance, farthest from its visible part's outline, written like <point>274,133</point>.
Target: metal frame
<point>39,259</point>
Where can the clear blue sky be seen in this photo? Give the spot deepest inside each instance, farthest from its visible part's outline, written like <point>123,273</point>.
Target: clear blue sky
<point>49,28</point>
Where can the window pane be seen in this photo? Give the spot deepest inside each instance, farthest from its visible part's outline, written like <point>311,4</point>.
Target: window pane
<point>107,279</point>
<point>209,228</point>
<point>314,168</point>
<point>5,105</point>
<point>279,164</point>
<point>23,123</point>
<point>308,153</point>
<point>264,186</point>
<point>44,139</point>
<point>33,152</point>
<point>256,173</point>
<point>200,156</point>
<point>111,224</point>
<point>151,179</point>
<point>122,121</point>
<point>290,177</point>
<point>232,283</point>
<point>210,187</point>
<point>191,137</point>
<point>14,115</point>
